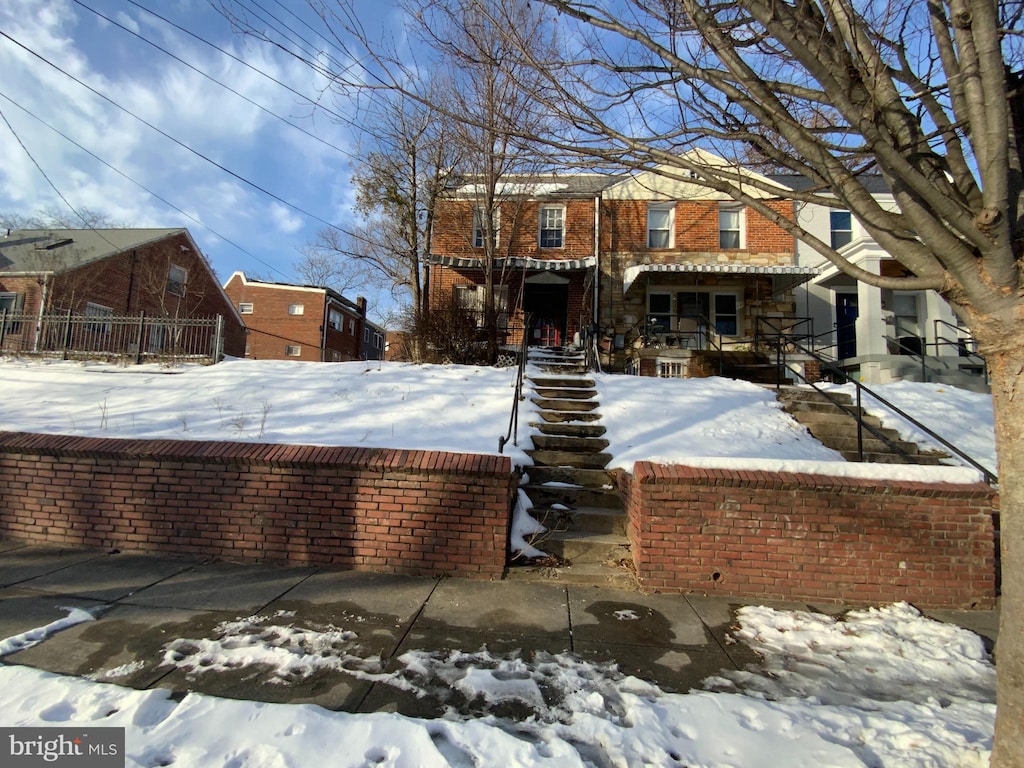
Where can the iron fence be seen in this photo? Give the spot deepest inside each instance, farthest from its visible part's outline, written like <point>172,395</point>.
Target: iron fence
<point>97,336</point>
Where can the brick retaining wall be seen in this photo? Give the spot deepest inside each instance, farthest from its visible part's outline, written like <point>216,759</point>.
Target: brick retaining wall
<point>786,536</point>
<point>415,512</point>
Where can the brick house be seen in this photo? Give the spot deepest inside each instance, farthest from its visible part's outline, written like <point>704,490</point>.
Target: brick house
<point>647,261</point>
<point>303,322</point>
<point>108,273</point>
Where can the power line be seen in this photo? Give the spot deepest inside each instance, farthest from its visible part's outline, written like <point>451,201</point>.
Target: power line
<point>138,184</point>
<point>50,181</point>
<point>214,80</point>
<point>180,143</point>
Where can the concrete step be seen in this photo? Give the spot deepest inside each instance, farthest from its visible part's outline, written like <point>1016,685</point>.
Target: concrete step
<point>570,382</point>
<point>564,429</point>
<point>592,479</point>
<point>578,574</point>
<point>565,393</point>
<point>894,458</point>
<point>834,418</point>
<point>572,496</point>
<point>585,547</point>
<point>844,443</point>
<point>596,520</point>
<point>548,404</point>
<point>563,417</point>
<point>569,459</point>
<point>572,444</point>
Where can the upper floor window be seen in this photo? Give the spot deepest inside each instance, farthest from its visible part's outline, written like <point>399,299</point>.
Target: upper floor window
<point>336,320</point>
<point>552,226</point>
<point>296,309</point>
<point>730,227</point>
<point>245,307</point>
<point>176,279</point>
<point>480,218</point>
<point>660,218</point>
<point>352,326</point>
<point>841,224</point>
<point>366,335</point>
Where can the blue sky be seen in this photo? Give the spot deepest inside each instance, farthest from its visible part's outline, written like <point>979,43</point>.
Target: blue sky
<point>241,228</point>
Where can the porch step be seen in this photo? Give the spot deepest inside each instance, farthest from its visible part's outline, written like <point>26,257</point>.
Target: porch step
<point>572,496</point>
<point>587,547</point>
<point>562,417</point>
<point>569,443</point>
<point>566,382</point>
<point>565,393</point>
<point>567,429</point>
<point>550,404</point>
<point>569,459</point>
<point>582,574</point>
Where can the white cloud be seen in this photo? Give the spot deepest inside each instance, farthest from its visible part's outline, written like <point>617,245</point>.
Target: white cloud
<point>285,219</point>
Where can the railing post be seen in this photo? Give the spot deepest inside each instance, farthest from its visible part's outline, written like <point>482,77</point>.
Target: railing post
<point>860,425</point>
<point>3,327</point>
<point>218,339</point>
<point>138,338</point>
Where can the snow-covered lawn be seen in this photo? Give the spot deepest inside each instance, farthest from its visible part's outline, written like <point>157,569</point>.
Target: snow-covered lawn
<point>884,687</point>
<point>880,687</point>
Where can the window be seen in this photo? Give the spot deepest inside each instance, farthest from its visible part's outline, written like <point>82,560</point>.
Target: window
<point>552,226</point>
<point>842,228</point>
<point>726,314</point>
<point>366,335</point>
<point>730,227</point>
<point>99,318</point>
<point>12,304</point>
<point>378,341</point>
<point>352,326</point>
<point>248,349</point>
<point>471,297</point>
<point>659,225</point>
<point>296,309</point>
<point>479,228</point>
<point>292,350</point>
<point>336,320</point>
<point>245,307</point>
<point>659,312</point>
<point>177,277</point>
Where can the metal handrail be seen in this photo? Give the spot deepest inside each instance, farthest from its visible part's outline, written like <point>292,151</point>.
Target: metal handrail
<point>990,478</point>
<point>513,421</point>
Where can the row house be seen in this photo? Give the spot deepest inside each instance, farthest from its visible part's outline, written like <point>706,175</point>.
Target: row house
<point>103,274</point>
<point>287,321</point>
<point>658,268</point>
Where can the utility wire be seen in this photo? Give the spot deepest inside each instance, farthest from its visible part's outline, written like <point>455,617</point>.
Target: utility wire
<point>50,181</point>
<point>312,102</point>
<point>182,144</point>
<point>214,80</point>
<point>140,186</point>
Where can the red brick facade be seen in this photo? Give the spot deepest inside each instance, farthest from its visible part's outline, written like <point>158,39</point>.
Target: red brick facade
<point>137,280</point>
<point>413,512</point>
<point>787,536</point>
<point>294,322</point>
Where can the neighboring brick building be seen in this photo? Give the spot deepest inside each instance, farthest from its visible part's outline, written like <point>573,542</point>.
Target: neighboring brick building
<point>303,322</point>
<point>109,273</point>
<point>639,256</point>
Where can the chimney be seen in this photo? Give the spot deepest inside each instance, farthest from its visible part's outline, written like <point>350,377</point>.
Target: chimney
<point>361,304</point>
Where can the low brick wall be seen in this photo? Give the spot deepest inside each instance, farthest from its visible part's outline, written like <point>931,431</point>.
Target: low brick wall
<point>815,537</point>
<point>415,512</point>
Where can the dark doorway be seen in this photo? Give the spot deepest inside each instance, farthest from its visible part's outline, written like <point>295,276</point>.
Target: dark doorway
<point>547,306</point>
<point>846,325</point>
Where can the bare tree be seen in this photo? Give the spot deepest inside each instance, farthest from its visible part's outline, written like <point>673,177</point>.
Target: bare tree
<point>56,218</point>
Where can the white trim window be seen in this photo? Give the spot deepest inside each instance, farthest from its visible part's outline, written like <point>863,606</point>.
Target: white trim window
<point>292,350</point>
<point>660,224</point>
<point>730,227</point>
<point>479,228</point>
<point>177,278</point>
<point>727,314</point>
<point>245,307</point>
<point>99,317</point>
<point>840,228</point>
<point>659,312</point>
<point>336,320</point>
<point>296,309</point>
<point>552,226</point>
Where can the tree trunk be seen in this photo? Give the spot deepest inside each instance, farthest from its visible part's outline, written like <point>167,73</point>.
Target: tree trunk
<point>1007,372</point>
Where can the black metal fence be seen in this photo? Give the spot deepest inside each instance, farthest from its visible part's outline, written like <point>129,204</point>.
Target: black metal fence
<point>96,336</point>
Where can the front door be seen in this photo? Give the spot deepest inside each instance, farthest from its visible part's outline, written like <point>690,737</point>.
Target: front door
<point>547,306</point>
<point>846,325</point>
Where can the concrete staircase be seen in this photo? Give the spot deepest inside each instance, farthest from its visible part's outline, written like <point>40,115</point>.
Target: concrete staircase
<point>572,493</point>
<point>833,426</point>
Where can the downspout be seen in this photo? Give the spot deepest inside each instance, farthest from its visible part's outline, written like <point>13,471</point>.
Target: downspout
<point>596,322</point>
<point>323,328</point>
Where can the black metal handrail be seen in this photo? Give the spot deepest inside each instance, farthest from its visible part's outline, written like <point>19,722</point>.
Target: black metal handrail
<point>861,389</point>
<point>513,421</point>
<point>962,345</point>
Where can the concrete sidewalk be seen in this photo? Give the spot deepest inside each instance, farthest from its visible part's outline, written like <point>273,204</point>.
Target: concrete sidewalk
<point>143,602</point>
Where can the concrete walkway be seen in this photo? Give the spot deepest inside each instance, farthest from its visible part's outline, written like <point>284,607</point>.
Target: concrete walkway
<point>146,601</point>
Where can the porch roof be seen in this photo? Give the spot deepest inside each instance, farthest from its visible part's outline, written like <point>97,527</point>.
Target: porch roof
<point>516,262</point>
<point>783,276</point>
